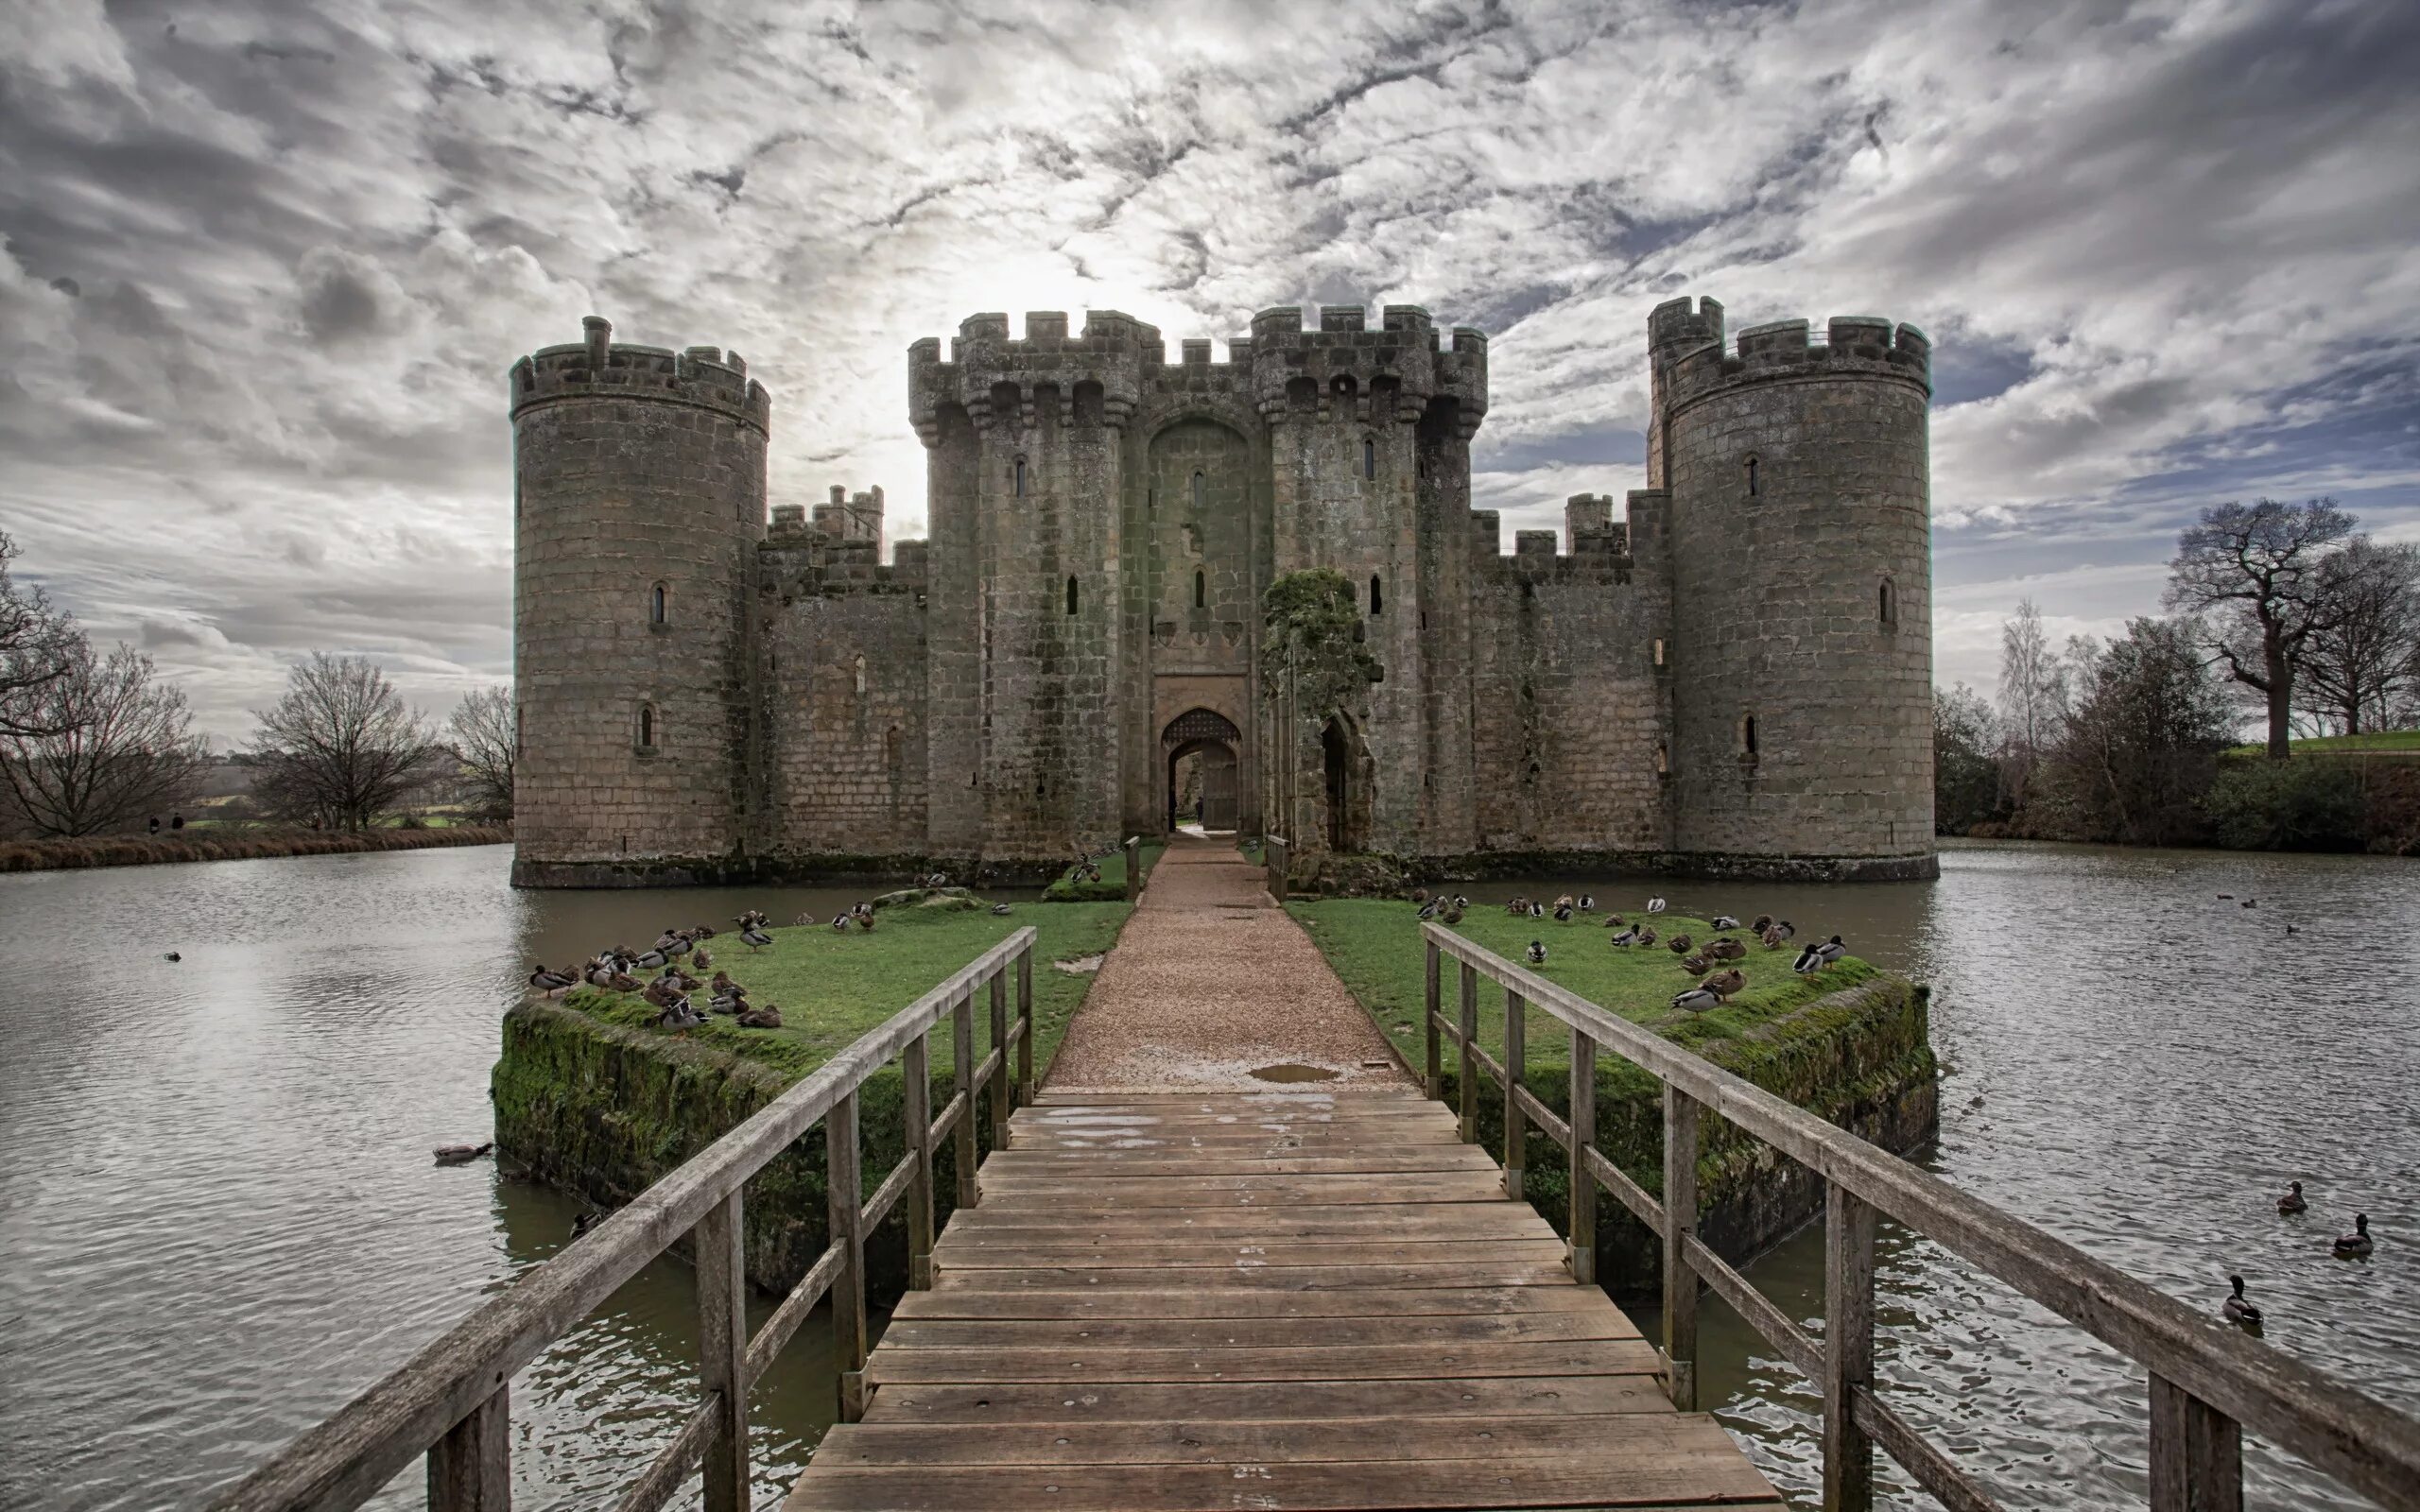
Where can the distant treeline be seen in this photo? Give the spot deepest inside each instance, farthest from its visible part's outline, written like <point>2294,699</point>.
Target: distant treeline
<point>142,851</point>
<point>2127,741</point>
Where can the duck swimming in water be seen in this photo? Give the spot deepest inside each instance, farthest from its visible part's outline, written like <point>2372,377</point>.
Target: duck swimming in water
<point>2356,1245</point>
<point>1655,905</point>
<point>2292,1203</point>
<point>2239,1308</point>
<point>1537,952</point>
<point>462,1154</point>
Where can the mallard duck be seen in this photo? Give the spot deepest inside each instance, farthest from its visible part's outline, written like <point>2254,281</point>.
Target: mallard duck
<point>1428,909</point>
<point>1723,921</point>
<point>600,974</point>
<point>2292,1203</point>
<point>1453,914</point>
<point>1725,983</point>
<point>726,1002</point>
<point>2252,903</point>
<point>1562,913</point>
<point>1462,901</point>
<point>865,921</point>
<point>624,982</point>
<point>702,959</point>
<point>1819,955</point>
<point>1655,905</point>
<point>1627,938</point>
<point>1678,945</point>
<point>2356,1245</point>
<point>804,919</point>
<point>649,960</point>
<point>1537,952</point>
<point>680,1014</point>
<point>661,992</point>
<point>1696,965</point>
<point>462,1154</point>
<point>940,879</point>
<point>722,983</point>
<point>754,938</point>
<point>1515,906</point>
<point>1697,1000</point>
<point>1420,895</point>
<point>768,1016</point>
<point>587,1220</point>
<point>2239,1308</point>
<point>839,925</point>
<point>172,955</point>
<point>1763,922</point>
<point>1726,950</point>
<point>1646,936</point>
<point>553,984</point>
<point>1615,920</point>
<point>704,930</point>
<point>1563,901</point>
<point>1787,930</point>
<point>1587,903</point>
<point>1002,910</point>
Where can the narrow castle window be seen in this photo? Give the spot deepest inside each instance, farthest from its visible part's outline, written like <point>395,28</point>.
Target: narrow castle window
<point>647,727</point>
<point>1200,591</point>
<point>1659,651</point>
<point>1889,604</point>
<point>1071,595</point>
<point>1748,736</point>
<point>1663,758</point>
<point>1368,457</point>
<point>658,603</point>
<point>1377,600</point>
<point>860,669</point>
<point>1020,477</point>
<point>1752,478</point>
<point>1151,500</point>
<point>1197,491</point>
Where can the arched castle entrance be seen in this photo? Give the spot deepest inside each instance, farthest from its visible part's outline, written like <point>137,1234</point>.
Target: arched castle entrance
<point>1349,772</point>
<point>1204,743</point>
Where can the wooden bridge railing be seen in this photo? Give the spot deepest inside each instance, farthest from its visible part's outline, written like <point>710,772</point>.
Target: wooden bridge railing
<point>450,1400</point>
<point>2207,1382</point>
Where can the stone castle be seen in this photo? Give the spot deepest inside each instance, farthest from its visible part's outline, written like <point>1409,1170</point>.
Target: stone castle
<point>1734,675</point>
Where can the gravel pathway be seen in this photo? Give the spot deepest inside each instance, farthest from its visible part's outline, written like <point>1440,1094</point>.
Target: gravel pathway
<point>1211,980</point>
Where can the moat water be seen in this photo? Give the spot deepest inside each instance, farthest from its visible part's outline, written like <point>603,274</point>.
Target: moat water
<point>218,1219</point>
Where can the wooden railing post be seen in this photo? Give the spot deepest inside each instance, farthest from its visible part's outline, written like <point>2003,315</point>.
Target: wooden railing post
<point>2197,1454</point>
<point>846,1207</point>
<point>1516,1060</point>
<point>1133,868</point>
<point>1584,1137</point>
<point>722,1351</point>
<point>1470,1055</point>
<point>916,1078</point>
<point>1433,1072</point>
<point>961,1026</point>
<point>1848,1348</point>
<point>470,1469</point>
<point>1000,1072</point>
<point>1025,1018</point>
<point>1680,1221</point>
<point>1274,864</point>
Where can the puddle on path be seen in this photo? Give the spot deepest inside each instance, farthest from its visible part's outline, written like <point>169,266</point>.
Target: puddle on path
<point>1081,966</point>
<point>1289,1070</point>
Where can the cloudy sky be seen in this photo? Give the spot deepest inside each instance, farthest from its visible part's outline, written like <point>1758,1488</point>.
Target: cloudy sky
<point>265,262</point>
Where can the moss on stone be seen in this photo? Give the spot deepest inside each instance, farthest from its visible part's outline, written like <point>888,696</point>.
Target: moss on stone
<point>1112,885</point>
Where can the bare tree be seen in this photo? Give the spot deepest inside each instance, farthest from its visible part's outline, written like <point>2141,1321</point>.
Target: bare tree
<point>119,744</point>
<point>484,736</point>
<point>2030,679</point>
<point>2359,668</point>
<point>2142,741</point>
<point>341,748</point>
<point>2257,577</point>
<point>37,643</point>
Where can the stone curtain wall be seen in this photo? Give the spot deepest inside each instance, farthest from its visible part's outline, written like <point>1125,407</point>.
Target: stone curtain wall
<point>633,466</point>
<point>1777,592</point>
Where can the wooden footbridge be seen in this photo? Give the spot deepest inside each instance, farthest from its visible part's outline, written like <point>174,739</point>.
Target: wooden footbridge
<point>1291,1300</point>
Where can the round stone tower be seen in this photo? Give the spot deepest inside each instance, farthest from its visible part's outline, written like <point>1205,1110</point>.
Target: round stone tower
<point>638,499</point>
<point>1802,645</point>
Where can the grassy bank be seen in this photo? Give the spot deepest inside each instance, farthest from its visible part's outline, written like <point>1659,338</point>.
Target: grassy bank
<point>1112,885</point>
<point>2380,740</point>
<point>1851,1045</point>
<point>832,987</point>
<point>593,1099</point>
<point>229,845</point>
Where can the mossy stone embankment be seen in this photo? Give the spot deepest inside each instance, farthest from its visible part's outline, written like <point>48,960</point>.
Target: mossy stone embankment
<point>1851,1044</point>
<point>1110,886</point>
<point>594,1099</point>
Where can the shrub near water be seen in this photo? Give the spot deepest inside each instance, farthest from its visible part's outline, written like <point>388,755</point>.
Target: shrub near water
<point>196,844</point>
<point>2305,805</point>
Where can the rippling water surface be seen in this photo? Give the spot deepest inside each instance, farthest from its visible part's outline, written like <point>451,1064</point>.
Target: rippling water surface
<point>218,1219</point>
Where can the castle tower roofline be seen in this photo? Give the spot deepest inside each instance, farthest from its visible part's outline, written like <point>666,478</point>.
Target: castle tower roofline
<point>1856,346</point>
<point>601,368</point>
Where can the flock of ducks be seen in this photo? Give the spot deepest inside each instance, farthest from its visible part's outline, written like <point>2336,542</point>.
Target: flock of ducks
<point>675,957</point>
<point>2240,1309</point>
<point>1718,980</point>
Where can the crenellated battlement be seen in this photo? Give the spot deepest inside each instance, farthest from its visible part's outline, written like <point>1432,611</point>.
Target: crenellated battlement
<point>1856,346</point>
<point>803,557</point>
<point>1330,361</point>
<point>601,368</point>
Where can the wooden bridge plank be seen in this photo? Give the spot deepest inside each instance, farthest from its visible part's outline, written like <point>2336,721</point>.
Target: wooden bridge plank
<point>1263,1400</point>
<point>1245,1190</point>
<point>1262,1161</point>
<point>1276,1278</point>
<point>1306,1223</point>
<point>1318,1488</point>
<point>1077,1335</point>
<point>1191,1254</point>
<point>1229,1441</point>
<point>1195,1301</point>
<point>1385,1362</point>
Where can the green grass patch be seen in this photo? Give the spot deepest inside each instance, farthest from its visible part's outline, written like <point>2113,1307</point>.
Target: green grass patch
<point>1374,947</point>
<point>2325,745</point>
<point>833,987</point>
<point>1112,885</point>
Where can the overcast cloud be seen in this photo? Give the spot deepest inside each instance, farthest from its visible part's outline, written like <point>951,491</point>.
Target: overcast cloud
<point>266,264</point>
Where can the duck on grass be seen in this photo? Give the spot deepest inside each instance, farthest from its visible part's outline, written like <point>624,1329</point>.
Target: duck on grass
<point>817,990</point>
